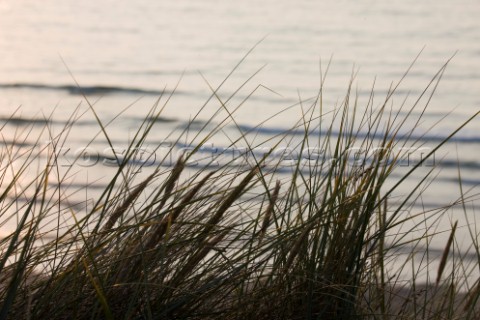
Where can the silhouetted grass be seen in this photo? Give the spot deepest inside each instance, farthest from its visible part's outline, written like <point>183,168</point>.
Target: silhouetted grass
<point>232,242</point>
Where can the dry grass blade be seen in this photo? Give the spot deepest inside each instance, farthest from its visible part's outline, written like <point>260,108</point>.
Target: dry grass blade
<point>169,185</point>
<point>143,252</point>
<point>446,251</point>
<point>159,231</point>
<point>120,211</point>
<point>228,202</point>
<point>269,212</point>
<point>298,244</point>
<point>473,296</point>
<point>99,292</point>
<point>193,261</point>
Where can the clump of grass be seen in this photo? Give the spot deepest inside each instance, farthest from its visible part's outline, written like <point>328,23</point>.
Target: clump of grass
<point>227,242</point>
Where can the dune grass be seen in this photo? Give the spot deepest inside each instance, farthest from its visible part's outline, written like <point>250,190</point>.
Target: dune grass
<point>234,241</point>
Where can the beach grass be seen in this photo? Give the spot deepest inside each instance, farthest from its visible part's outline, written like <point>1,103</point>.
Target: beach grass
<point>237,240</point>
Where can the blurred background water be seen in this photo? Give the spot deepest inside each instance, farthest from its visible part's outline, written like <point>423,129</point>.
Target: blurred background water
<point>127,52</point>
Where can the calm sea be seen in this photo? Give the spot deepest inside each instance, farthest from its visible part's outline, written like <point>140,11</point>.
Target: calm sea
<point>128,52</point>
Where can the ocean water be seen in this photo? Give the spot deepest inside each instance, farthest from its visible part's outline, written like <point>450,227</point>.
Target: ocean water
<point>56,57</point>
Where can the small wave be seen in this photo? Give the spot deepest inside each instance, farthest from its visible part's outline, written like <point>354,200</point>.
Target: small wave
<point>156,119</point>
<point>18,121</point>
<point>18,144</point>
<point>90,90</point>
<point>444,163</point>
<point>246,129</point>
<point>21,121</point>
